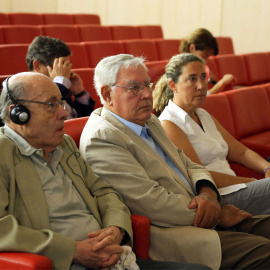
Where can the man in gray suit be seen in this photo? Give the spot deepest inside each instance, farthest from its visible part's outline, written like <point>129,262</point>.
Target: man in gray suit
<point>51,203</point>
<point>125,144</point>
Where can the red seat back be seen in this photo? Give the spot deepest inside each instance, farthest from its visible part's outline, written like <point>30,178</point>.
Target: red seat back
<point>94,32</point>
<point>167,48</point>
<point>144,47</point>
<point>233,64</point>
<point>258,67</point>
<point>124,32</point>
<point>225,45</point>
<point>150,31</point>
<point>96,50</point>
<point>67,33</point>
<point>250,109</point>
<point>74,127</point>
<point>87,75</point>
<point>57,18</point>
<point>26,18</point>
<point>12,58</point>
<point>211,63</point>
<point>19,34</point>
<point>156,69</point>
<point>86,19</point>
<point>79,57</point>
<point>4,19</point>
<point>218,106</point>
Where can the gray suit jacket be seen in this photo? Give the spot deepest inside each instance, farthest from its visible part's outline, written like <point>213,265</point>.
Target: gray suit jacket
<point>24,218</point>
<point>150,187</point>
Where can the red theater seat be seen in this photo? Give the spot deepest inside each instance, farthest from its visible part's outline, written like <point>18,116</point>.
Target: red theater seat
<point>26,18</point>
<point>4,19</point>
<point>86,19</point>
<point>156,69</point>
<point>97,50</point>
<point>79,57</point>
<point>218,106</point>
<point>87,75</point>
<point>143,47</point>
<point>211,63</point>
<point>225,45</point>
<point>57,18</point>
<point>19,34</point>
<point>233,64</point>
<point>167,48</point>
<point>124,32</point>
<point>258,67</point>
<point>12,58</point>
<point>150,31</point>
<point>67,33</point>
<point>250,109</point>
<point>94,32</point>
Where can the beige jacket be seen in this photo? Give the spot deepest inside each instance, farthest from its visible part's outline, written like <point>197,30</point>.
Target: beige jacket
<point>150,187</point>
<point>24,218</point>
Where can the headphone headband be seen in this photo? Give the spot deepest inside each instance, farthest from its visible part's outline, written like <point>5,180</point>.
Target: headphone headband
<point>19,114</point>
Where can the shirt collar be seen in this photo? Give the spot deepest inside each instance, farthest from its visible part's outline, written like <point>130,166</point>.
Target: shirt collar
<point>177,111</point>
<point>25,148</point>
<point>134,127</point>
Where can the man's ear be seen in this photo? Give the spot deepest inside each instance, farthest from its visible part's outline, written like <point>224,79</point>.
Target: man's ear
<point>192,48</point>
<point>106,93</point>
<point>36,66</point>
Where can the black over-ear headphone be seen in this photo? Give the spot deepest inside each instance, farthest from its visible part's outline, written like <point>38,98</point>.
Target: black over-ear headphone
<point>19,114</point>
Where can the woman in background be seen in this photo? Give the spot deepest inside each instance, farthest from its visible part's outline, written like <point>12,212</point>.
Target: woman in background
<point>177,97</point>
<point>203,44</point>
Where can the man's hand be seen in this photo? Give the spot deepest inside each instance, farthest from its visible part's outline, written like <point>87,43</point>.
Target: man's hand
<point>231,216</point>
<point>76,83</point>
<point>61,67</point>
<point>107,236</point>
<point>86,255</point>
<point>208,209</point>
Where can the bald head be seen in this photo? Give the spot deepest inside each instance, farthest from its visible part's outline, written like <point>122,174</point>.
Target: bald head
<point>25,85</point>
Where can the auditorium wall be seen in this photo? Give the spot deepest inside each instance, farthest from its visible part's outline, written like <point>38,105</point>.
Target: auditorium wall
<point>246,21</point>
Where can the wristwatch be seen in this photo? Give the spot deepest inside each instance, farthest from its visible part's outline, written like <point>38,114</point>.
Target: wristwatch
<point>80,94</point>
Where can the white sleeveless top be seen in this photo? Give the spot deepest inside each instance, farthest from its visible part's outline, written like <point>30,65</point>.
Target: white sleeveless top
<point>208,142</point>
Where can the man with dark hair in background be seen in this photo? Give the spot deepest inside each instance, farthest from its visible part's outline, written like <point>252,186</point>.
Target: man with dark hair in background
<point>50,56</point>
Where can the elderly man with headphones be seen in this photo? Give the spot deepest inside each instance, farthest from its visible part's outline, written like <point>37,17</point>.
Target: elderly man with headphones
<point>51,202</point>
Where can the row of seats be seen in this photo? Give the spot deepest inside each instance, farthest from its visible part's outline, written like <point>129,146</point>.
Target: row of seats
<point>253,66</point>
<point>47,18</point>
<point>245,114</point>
<point>19,34</point>
<point>88,54</point>
<point>249,69</point>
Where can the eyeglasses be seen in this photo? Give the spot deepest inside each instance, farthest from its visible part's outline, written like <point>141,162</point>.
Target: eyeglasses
<point>54,105</point>
<point>138,88</point>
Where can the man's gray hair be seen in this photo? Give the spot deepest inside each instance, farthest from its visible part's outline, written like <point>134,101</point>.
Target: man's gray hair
<point>17,90</point>
<point>107,69</point>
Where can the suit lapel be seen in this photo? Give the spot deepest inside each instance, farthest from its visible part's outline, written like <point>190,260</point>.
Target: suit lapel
<point>171,151</point>
<point>32,194</point>
<point>161,139</point>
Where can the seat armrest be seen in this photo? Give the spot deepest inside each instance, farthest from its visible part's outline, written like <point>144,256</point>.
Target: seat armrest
<point>24,261</point>
<point>141,234</point>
